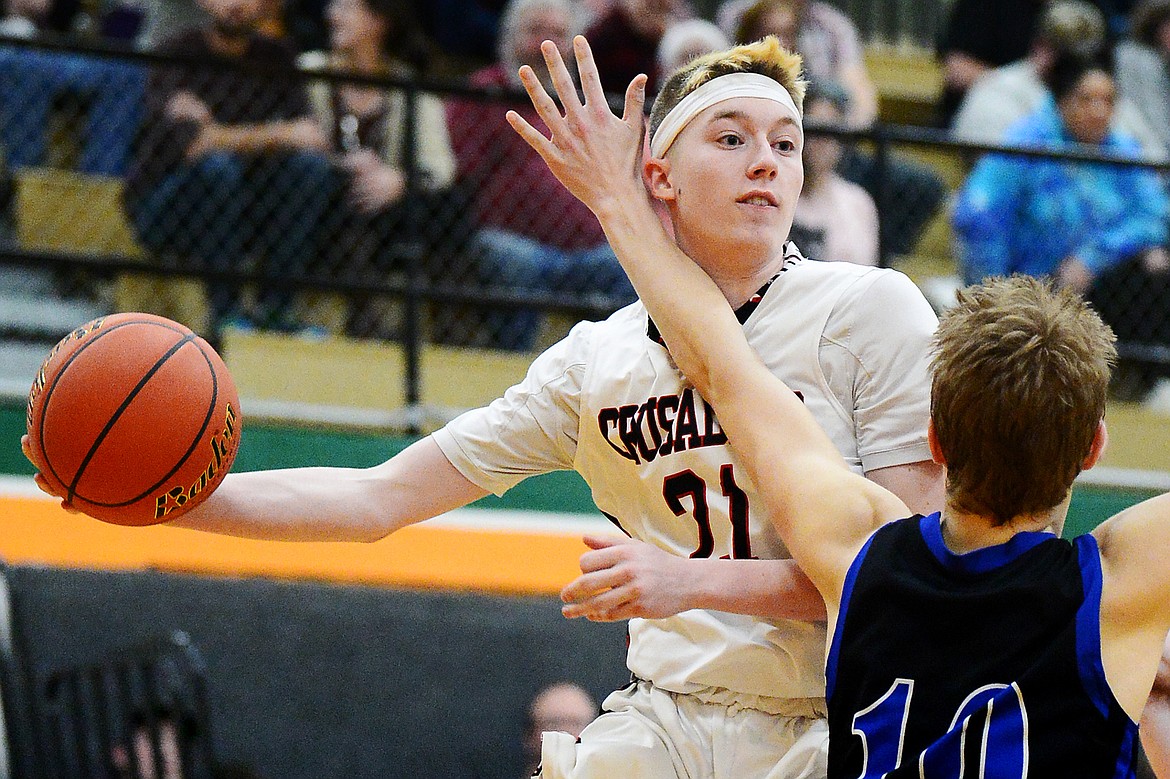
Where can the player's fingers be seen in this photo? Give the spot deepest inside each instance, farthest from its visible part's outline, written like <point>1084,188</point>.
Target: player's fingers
<point>600,559</point>
<point>587,71</point>
<point>533,137</point>
<point>604,542</point>
<point>589,584</point>
<point>604,607</point>
<point>635,102</point>
<point>43,485</point>
<point>562,80</point>
<point>545,106</point>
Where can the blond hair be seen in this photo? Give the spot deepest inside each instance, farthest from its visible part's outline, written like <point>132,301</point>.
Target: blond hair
<point>1021,372</point>
<point>765,57</point>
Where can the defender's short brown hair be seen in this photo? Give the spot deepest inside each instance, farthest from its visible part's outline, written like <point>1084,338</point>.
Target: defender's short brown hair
<point>1021,372</point>
<point>765,57</point>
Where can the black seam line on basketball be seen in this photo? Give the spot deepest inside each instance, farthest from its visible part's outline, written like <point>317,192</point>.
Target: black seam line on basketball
<point>56,379</point>
<point>195,442</point>
<point>101,437</point>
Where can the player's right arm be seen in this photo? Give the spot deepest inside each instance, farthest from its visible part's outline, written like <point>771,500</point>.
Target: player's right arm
<point>331,504</point>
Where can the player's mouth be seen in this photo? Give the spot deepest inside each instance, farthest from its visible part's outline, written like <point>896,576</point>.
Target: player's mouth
<point>759,198</point>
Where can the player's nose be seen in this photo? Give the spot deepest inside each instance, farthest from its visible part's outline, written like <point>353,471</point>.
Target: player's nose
<point>763,161</point>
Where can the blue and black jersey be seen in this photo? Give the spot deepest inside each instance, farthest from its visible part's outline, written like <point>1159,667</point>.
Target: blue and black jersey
<point>985,665</point>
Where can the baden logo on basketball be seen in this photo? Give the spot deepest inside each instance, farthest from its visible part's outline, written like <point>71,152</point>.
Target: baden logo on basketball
<point>222,449</point>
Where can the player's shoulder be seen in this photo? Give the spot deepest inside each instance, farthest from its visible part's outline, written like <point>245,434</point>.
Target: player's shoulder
<point>624,326</point>
<point>843,275</point>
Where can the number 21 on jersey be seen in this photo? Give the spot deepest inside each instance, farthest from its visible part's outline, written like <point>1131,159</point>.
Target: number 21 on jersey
<point>688,484</point>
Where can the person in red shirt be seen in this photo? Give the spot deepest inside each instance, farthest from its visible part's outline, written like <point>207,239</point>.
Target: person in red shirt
<point>532,236</point>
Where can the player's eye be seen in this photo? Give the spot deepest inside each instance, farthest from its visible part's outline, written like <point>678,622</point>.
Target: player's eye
<point>784,146</point>
<point>730,139</point>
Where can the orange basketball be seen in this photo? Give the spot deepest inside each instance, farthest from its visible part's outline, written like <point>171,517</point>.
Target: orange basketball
<point>133,419</point>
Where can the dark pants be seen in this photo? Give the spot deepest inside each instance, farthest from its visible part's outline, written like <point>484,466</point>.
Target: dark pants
<point>228,212</point>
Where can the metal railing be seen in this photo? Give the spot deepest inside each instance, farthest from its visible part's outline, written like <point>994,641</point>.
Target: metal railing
<point>429,285</point>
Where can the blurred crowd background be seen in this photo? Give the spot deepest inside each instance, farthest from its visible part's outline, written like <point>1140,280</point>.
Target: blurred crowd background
<point>343,169</point>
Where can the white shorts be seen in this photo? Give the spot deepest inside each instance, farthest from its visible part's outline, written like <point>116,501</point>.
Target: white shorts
<point>649,733</point>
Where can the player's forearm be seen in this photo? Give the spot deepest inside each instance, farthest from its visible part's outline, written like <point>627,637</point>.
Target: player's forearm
<point>295,504</point>
<point>336,504</point>
<point>772,589</point>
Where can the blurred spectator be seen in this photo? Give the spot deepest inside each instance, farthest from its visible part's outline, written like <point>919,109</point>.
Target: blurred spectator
<point>826,39</point>
<point>372,214</point>
<point>1098,229</point>
<point>908,193</point>
<point>467,31</point>
<point>231,164</point>
<point>981,35</point>
<point>155,746</point>
<point>625,40</point>
<point>835,219</point>
<point>1143,66</point>
<point>1118,15</point>
<point>685,40</point>
<point>24,18</point>
<point>534,236</point>
<point>167,18</point>
<point>1003,96</point>
<point>562,707</point>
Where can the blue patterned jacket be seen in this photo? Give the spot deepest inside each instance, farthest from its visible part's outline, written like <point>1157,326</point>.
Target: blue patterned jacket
<point>1026,215</point>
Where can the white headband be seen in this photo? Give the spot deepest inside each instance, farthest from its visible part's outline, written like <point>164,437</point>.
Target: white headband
<point>716,91</point>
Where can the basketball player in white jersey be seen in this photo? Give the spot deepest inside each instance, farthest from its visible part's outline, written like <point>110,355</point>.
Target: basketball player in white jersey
<point>724,648</point>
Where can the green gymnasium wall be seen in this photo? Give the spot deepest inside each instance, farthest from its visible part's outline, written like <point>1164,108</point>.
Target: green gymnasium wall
<point>281,446</point>
<point>286,446</point>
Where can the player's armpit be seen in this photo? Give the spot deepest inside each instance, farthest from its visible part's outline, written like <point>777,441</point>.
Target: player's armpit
<point>1133,560</point>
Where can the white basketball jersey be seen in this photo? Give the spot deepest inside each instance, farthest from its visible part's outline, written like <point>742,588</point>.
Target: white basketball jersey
<point>607,401</point>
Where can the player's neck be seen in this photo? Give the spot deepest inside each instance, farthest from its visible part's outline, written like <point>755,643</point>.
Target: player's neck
<point>963,532</point>
<point>738,273</point>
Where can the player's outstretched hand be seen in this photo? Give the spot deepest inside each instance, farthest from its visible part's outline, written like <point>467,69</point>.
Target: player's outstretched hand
<point>595,154</point>
<point>40,480</point>
<point>623,578</point>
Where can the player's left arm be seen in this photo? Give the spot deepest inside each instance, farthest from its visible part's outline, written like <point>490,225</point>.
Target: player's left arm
<point>1135,599</point>
<point>622,578</point>
<point>1155,724</point>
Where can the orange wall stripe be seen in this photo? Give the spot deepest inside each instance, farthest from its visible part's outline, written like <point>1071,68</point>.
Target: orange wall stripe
<point>504,561</point>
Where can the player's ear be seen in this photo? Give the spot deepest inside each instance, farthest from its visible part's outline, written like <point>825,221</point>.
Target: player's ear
<point>656,174</point>
<point>1097,448</point>
<point>936,452</point>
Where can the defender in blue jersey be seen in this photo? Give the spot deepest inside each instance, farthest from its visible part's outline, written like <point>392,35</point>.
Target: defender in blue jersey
<point>970,643</point>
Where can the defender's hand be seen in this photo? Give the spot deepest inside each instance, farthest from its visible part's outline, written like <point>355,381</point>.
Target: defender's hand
<point>595,154</point>
<point>623,578</point>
